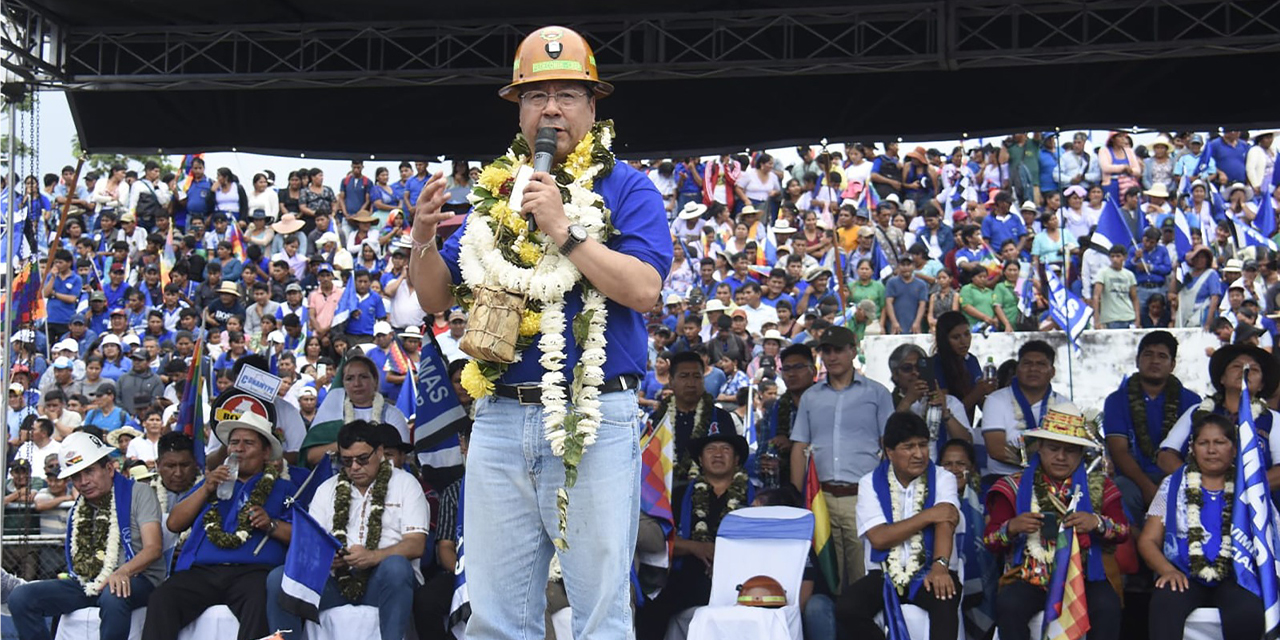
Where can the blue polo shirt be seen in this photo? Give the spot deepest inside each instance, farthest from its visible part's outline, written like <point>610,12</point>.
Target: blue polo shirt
<point>197,197</point>
<point>1159,262</point>
<point>1118,421</point>
<point>998,231</point>
<point>415,185</point>
<point>641,222</point>
<point>115,296</point>
<point>398,189</point>
<point>200,551</point>
<point>773,302</point>
<point>60,312</point>
<point>370,310</point>
<point>354,191</point>
<point>689,186</point>
<point>1230,159</point>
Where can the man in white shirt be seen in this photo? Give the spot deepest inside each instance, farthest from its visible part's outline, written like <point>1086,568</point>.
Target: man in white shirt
<point>758,312</point>
<point>907,514</point>
<point>1004,414</point>
<point>38,446</point>
<point>451,340</point>
<point>375,566</point>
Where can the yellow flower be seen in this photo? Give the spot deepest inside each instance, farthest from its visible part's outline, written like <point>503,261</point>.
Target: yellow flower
<point>530,323</point>
<point>580,159</point>
<point>493,177</point>
<point>529,252</point>
<point>508,218</point>
<point>474,382</point>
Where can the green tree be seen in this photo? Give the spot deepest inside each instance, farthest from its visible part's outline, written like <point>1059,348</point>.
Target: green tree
<point>101,162</point>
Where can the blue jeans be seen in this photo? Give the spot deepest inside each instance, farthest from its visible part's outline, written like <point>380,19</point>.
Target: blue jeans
<point>390,589</point>
<point>819,618</point>
<point>31,603</point>
<point>510,520</point>
<point>1119,324</point>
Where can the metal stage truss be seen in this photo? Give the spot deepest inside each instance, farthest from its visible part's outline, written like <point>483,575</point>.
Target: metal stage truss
<point>856,38</point>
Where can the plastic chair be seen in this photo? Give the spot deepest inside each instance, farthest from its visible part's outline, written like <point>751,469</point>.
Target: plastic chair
<point>349,622</point>
<point>82,624</point>
<point>216,623</point>
<point>771,541</point>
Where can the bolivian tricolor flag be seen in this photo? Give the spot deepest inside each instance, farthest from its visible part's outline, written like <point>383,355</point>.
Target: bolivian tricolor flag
<point>815,502</point>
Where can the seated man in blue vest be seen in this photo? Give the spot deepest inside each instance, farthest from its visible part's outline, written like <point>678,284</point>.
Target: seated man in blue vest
<point>113,547</point>
<point>377,565</point>
<point>907,517</point>
<point>222,561</point>
<point>719,485</point>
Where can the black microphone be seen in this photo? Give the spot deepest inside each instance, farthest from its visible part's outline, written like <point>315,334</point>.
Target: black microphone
<point>544,151</point>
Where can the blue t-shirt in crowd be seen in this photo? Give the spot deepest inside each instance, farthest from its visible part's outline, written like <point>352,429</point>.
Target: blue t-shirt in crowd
<point>689,186</point>
<point>997,231</point>
<point>197,197</point>
<point>354,191</point>
<point>907,297</point>
<point>1117,420</point>
<point>398,189</point>
<point>60,312</point>
<point>1230,159</point>
<point>641,223</point>
<point>714,381</point>
<point>198,550</point>
<point>367,312</point>
<point>414,187</point>
<point>785,297</point>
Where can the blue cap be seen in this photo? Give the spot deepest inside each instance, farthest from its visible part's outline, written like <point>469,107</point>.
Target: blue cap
<point>324,267</point>
<point>1045,135</point>
<point>78,318</point>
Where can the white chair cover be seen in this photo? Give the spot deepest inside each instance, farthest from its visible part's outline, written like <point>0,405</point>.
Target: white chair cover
<point>562,623</point>
<point>349,622</point>
<point>82,624</point>
<point>216,623</point>
<point>772,541</point>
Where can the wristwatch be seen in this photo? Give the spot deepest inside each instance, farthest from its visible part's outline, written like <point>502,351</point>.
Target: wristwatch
<point>945,562</point>
<point>577,235</point>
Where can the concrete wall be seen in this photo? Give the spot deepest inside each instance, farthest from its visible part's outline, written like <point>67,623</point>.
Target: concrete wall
<point>1087,375</point>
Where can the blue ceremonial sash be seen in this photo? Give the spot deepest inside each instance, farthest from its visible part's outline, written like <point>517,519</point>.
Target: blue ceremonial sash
<point>123,488</point>
<point>1032,421</point>
<point>1026,493</point>
<point>892,605</point>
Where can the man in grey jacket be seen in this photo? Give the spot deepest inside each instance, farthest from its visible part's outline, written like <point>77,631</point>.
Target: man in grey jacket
<point>139,383</point>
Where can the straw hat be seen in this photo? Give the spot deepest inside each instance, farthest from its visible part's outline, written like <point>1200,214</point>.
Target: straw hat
<point>113,438</point>
<point>362,216</point>
<point>692,210</point>
<point>1157,190</point>
<point>1064,423</point>
<point>288,223</point>
<point>253,422</point>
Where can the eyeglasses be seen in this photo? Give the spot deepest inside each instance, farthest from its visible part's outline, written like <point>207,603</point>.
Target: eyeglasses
<point>565,98</point>
<point>360,460</point>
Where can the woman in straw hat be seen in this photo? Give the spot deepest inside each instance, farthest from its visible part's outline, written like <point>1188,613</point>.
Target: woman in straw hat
<point>1027,510</point>
<point>1187,539</point>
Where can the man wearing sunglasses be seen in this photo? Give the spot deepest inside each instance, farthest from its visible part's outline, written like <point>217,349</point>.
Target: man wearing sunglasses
<point>840,421</point>
<point>376,566</point>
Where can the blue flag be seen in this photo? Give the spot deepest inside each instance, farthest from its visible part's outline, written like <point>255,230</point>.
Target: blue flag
<point>1265,221</point>
<point>460,606</point>
<point>1217,208</point>
<point>1026,297</point>
<point>1253,523</point>
<point>1248,236</point>
<point>347,303</point>
<point>1067,309</point>
<point>434,411</point>
<point>306,567</point>
<point>749,432</point>
<point>1112,229</point>
<point>881,268</point>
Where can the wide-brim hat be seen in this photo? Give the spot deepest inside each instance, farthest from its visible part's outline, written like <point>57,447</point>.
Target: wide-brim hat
<point>140,471</point>
<point>1157,190</point>
<point>749,210</point>
<point>1064,423</point>
<point>714,304</point>
<point>918,154</point>
<point>774,334</point>
<point>79,451</point>
<point>288,223</point>
<point>411,333</point>
<point>738,442</point>
<point>783,228</point>
<point>1222,357</point>
<point>363,216</point>
<point>113,437</point>
<point>1231,188</point>
<point>229,287</point>
<point>692,210</point>
<point>1190,255</point>
<point>253,422</point>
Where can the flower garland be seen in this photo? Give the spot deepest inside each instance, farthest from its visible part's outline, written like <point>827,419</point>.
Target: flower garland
<point>1211,403</point>
<point>90,525</point>
<point>354,583</point>
<point>1138,412</point>
<point>499,250</point>
<point>737,494</point>
<point>786,410</point>
<point>901,576</point>
<point>1220,568</point>
<point>349,409</point>
<point>213,520</point>
<point>162,495</point>
<point>686,467</point>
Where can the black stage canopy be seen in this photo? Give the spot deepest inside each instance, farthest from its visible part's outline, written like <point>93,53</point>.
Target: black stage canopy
<point>409,79</point>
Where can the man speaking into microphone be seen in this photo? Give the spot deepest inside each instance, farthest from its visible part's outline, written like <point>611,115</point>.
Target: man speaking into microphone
<point>555,268</point>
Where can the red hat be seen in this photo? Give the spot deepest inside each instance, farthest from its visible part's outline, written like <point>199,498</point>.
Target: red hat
<point>959,215</point>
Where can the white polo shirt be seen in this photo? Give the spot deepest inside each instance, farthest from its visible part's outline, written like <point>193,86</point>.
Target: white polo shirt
<point>870,515</point>
<point>406,512</point>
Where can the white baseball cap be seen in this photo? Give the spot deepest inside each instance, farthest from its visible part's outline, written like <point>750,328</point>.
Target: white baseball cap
<point>382,326</point>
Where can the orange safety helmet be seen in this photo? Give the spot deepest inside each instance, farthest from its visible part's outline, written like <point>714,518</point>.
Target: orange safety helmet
<point>554,53</point>
<point>762,591</point>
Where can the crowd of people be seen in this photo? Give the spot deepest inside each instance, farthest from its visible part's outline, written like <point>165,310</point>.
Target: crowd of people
<point>948,476</point>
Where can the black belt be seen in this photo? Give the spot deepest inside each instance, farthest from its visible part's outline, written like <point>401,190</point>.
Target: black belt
<point>532,393</point>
